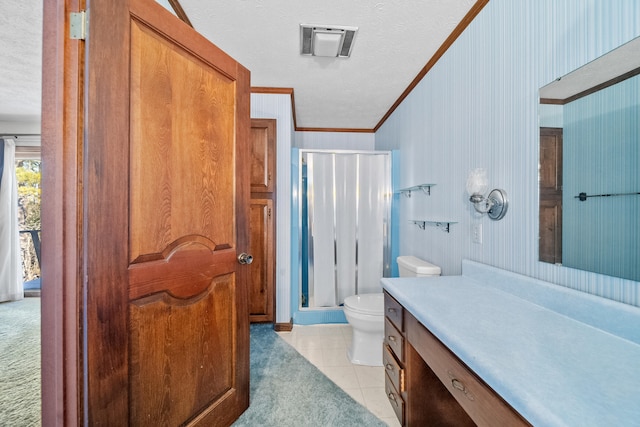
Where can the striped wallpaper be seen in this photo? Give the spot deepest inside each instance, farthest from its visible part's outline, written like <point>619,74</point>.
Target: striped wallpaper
<point>478,107</point>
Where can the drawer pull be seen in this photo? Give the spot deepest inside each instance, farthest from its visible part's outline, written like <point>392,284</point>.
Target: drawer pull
<point>392,338</point>
<point>392,398</point>
<point>389,367</point>
<point>391,310</point>
<point>459,385</point>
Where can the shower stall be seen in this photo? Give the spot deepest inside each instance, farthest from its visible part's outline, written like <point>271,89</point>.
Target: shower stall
<point>345,209</point>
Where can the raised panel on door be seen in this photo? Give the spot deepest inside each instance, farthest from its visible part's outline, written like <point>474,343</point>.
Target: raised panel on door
<point>550,247</point>
<point>263,155</point>
<point>262,279</point>
<point>166,216</point>
<point>551,159</point>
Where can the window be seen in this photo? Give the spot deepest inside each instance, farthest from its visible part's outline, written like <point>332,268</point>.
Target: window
<point>28,174</point>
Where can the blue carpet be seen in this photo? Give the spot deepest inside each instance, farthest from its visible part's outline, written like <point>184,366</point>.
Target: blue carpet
<point>20,363</point>
<point>287,390</point>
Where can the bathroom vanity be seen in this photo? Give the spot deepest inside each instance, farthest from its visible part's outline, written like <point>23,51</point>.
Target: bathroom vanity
<point>492,347</point>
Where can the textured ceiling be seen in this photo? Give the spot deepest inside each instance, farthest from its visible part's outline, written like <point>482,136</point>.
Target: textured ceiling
<point>20,59</point>
<point>396,39</point>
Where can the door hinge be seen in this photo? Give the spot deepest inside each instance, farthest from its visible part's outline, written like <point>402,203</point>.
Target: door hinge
<point>78,25</point>
<point>269,212</point>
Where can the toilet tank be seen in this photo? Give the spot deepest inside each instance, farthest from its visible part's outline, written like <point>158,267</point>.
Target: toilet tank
<point>410,266</point>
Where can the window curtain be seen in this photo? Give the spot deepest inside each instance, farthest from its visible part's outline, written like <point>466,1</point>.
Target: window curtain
<point>11,286</point>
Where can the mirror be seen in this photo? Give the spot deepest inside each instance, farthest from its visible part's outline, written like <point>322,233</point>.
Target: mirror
<point>589,166</point>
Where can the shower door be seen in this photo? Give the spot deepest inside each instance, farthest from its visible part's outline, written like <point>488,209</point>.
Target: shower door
<point>345,222</point>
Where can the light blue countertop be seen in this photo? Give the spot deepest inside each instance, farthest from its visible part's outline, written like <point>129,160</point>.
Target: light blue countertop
<point>551,368</point>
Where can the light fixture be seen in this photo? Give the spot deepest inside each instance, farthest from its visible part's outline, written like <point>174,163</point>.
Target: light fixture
<point>495,204</point>
<point>327,40</point>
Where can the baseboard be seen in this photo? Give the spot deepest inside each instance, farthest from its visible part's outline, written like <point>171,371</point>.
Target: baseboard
<point>283,327</point>
<point>32,293</point>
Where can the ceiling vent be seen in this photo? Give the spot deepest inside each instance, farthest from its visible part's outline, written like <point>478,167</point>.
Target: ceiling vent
<point>324,40</point>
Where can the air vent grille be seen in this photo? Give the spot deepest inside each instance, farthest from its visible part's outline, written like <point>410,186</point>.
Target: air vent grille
<point>347,43</point>
<point>307,36</point>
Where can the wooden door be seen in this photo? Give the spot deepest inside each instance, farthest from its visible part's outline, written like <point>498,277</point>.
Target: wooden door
<point>262,279</point>
<point>550,247</point>
<point>262,223</point>
<point>163,191</point>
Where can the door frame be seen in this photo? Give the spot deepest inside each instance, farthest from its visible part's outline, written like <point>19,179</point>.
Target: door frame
<point>61,330</point>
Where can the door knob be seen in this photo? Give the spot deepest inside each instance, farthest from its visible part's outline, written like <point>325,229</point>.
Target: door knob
<point>245,258</point>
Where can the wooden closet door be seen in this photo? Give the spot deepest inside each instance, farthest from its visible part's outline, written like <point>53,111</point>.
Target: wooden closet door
<point>263,228</point>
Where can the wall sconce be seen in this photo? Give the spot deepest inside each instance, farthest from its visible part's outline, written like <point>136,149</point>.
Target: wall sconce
<point>495,204</point>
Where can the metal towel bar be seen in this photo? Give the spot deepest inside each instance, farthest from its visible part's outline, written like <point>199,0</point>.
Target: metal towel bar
<point>584,196</point>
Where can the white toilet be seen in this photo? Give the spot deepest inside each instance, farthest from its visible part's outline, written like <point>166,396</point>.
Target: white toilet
<point>365,314</point>
<point>410,266</point>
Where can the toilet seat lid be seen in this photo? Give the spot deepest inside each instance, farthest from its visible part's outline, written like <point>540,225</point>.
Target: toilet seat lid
<point>366,304</point>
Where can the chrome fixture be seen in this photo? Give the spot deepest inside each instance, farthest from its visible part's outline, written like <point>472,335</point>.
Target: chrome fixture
<point>245,258</point>
<point>495,204</point>
<point>584,196</point>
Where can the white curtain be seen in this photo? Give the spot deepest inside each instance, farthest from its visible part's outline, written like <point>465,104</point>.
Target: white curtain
<point>373,220</point>
<point>321,218</point>
<point>10,265</point>
<point>348,218</point>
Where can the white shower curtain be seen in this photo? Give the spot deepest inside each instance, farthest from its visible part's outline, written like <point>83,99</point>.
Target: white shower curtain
<point>11,287</point>
<point>347,216</point>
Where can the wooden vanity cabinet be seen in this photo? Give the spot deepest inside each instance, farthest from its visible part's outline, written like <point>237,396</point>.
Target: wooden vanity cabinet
<point>393,356</point>
<point>465,394</point>
<point>414,391</point>
<point>428,385</point>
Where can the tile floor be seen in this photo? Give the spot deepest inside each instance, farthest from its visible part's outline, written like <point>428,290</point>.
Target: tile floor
<point>326,347</point>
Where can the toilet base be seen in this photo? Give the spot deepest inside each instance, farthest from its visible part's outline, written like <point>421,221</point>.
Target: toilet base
<point>365,314</point>
<point>368,348</point>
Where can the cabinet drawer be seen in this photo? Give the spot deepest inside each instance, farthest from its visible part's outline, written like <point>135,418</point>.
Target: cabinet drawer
<point>394,311</point>
<point>394,339</point>
<point>393,369</point>
<point>395,399</point>
<point>483,405</point>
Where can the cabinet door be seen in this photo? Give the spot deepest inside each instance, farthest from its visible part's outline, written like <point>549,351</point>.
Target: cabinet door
<point>263,155</point>
<point>261,281</point>
<point>550,247</point>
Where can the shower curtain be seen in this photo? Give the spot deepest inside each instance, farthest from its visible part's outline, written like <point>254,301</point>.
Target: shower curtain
<point>348,208</point>
<point>10,264</point>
